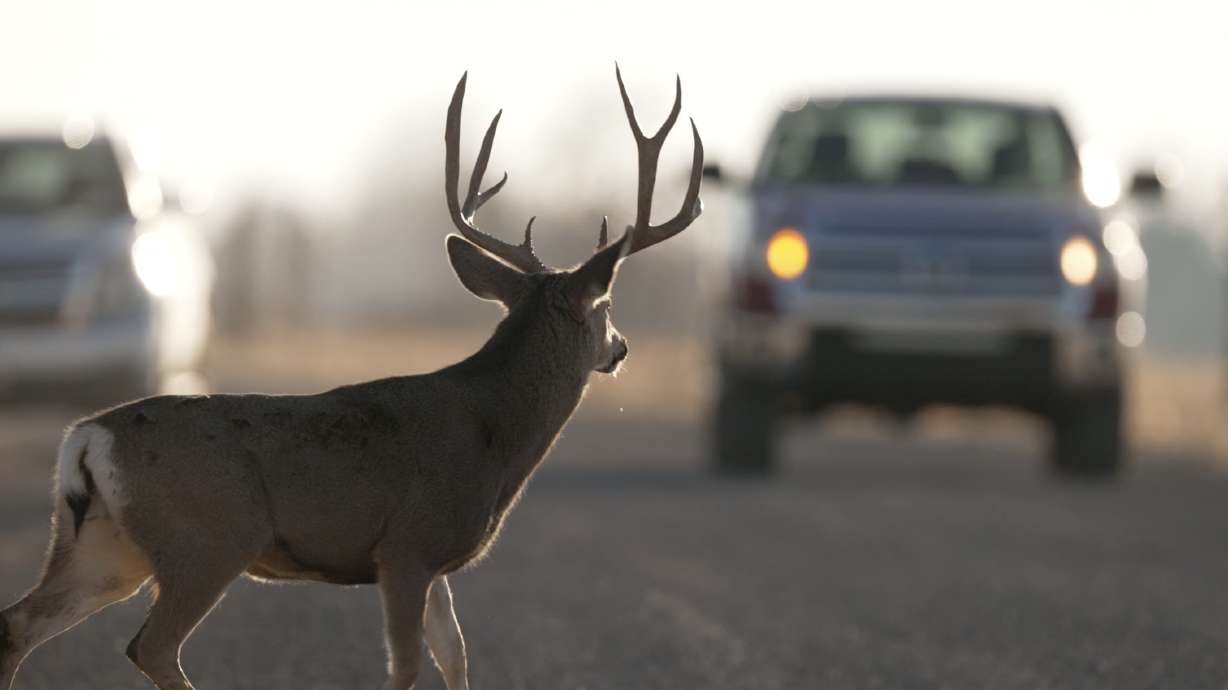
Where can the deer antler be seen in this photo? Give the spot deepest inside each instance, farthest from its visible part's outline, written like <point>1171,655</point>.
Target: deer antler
<point>519,255</point>
<point>643,234</point>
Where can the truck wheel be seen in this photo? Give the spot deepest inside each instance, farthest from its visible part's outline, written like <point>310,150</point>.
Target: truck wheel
<point>743,429</point>
<point>1087,437</point>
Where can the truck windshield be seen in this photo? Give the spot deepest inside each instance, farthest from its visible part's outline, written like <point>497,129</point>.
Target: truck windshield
<point>44,176</point>
<point>903,143</point>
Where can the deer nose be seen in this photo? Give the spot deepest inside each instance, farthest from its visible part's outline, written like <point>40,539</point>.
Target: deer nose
<point>621,352</point>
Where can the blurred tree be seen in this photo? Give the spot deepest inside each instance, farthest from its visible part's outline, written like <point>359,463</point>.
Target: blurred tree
<point>267,273</point>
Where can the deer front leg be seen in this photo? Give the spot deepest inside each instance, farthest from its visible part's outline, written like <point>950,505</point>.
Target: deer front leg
<point>443,636</point>
<point>404,591</point>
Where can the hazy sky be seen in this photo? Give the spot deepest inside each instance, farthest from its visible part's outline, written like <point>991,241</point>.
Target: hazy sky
<point>304,93</point>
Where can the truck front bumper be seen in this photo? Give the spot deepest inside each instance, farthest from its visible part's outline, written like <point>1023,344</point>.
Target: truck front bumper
<point>53,357</point>
<point>912,352</point>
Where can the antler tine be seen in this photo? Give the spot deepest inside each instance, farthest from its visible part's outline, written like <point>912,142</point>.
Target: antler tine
<point>635,125</point>
<point>648,149</point>
<point>521,256</point>
<point>692,205</point>
<point>604,238</point>
<point>622,90</point>
<point>475,198</point>
<point>528,234</point>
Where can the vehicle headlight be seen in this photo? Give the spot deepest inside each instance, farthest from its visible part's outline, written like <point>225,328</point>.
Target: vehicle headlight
<point>1078,260</point>
<point>165,261</point>
<point>787,254</point>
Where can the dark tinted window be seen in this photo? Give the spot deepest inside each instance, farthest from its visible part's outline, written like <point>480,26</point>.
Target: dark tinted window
<point>44,175</point>
<point>922,143</point>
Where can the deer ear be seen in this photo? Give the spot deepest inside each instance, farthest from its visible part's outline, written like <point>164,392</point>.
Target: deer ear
<point>593,280</point>
<point>483,275</point>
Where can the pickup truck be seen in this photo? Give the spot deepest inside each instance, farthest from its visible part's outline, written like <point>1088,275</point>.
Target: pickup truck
<point>904,251</point>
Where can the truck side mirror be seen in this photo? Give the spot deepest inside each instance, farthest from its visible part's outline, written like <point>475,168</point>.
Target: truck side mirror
<point>1146,186</point>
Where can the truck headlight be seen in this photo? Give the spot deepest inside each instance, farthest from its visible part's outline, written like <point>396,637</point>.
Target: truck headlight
<point>168,263</point>
<point>787,254</point>
<point>1078,260</point>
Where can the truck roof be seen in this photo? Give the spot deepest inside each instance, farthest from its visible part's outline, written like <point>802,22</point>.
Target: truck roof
<point>1013,103</point>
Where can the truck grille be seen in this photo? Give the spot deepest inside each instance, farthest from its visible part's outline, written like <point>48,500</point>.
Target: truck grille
<point>959,263</point>
<point>32,294</point>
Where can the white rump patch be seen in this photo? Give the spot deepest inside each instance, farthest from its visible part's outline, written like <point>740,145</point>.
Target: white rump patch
<point>88,444</point>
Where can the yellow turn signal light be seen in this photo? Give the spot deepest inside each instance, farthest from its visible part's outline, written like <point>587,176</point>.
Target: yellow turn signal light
<point>787,254</point>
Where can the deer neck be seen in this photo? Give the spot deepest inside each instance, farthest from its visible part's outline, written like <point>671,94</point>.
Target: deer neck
<point>529,384</point>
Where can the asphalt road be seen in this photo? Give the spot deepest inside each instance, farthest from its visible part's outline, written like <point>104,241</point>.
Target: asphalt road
<point>881,562</point>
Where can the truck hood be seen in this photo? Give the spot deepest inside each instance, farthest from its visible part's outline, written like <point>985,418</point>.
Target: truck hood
<point>920,212</point>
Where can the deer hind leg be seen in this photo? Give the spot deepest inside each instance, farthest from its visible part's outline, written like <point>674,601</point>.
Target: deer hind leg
<point>443,636</point>
<point>84,573</point>
<point>188,587</point>
<point>404,592</point>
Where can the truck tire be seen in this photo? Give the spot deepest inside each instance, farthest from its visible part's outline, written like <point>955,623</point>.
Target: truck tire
<point>1087,437</point>
<point>743,429</point>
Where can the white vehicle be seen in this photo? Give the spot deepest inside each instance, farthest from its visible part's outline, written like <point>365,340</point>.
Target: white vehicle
<point>104,292</point>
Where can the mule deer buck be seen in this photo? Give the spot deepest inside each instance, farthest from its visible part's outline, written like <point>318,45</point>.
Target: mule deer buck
<point>396,482</point>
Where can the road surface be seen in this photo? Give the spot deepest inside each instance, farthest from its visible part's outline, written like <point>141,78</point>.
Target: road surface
<point>876,562</point>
